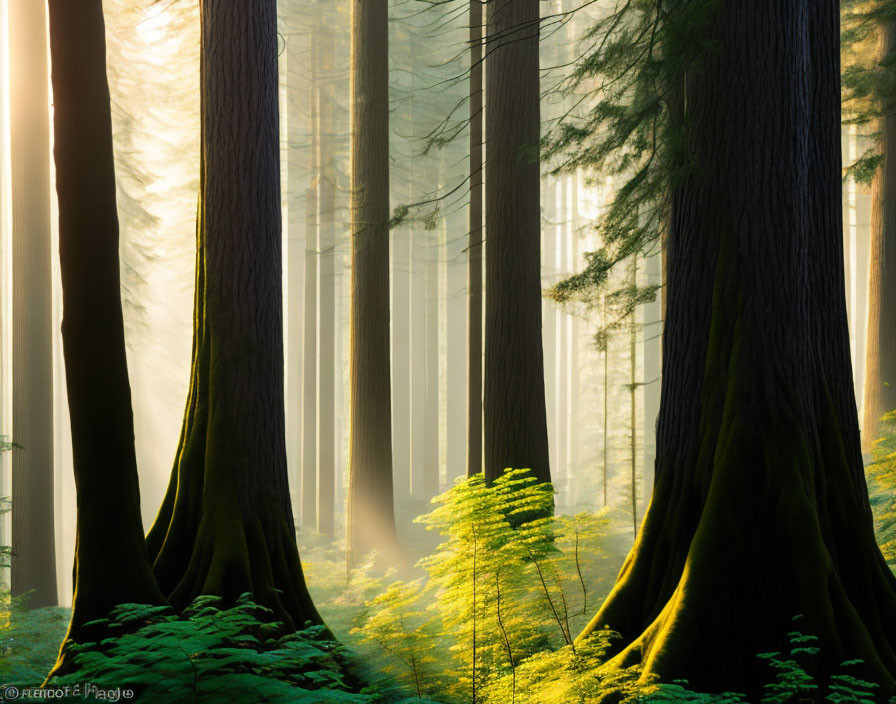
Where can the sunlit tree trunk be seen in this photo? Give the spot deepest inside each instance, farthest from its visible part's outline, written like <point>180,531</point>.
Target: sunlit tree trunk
<point>431,369</point>
<point>757,423</point>
<point>515,425</point>
<point>474,255</point>
<point>33,540</point>
<point>880,367</point>
<point>109,526</point>
<point>371,514</point>
<point>226,524</point>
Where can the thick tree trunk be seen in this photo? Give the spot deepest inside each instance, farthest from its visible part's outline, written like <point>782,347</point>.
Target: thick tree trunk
<point>226,525</point>
<point>109,526</point>
<point>757,424</point>
<point>33,541</point>
<point>474,252</point>
<point>516,432</point>
<point>371,513</point>
<point>880,367</point>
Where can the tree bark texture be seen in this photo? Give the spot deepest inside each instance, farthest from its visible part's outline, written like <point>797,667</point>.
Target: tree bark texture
<point>33,541</point>
<point>226,524</point>
<point>515,429</point>
<point>371,513</point>
<point>880,367</point>
<point>760,511</point>
<point>111,563</point>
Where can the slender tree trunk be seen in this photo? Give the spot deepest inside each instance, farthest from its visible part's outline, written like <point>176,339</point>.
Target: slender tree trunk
<point>516,432</point>
<point>312,279</point>
<point>295,264</point>
<point>550,313</point>
<point>880,367</point>
<point>474,252</point>
<point>561,344</point>
<point>33,540</point>
<point>226,526</point>
<point>371,518</point>
<point>326,246</point>
<point>109,526</point>
<point>455,312</point>
<point>757,423</point>
<point>401,361</point>
<point>606,417</point>
<point>431,468</point>
<point>309,356</point>
<point>575,405</point>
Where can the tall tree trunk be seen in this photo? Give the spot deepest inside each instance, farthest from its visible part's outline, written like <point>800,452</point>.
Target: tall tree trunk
<point>606,418</point>
<point>33,539</point>
<point>371,513</point>
<point>401,361</point>
<point>309,333</point>
<point>109,526</point>
<point>757,423</point>
<point>880,367</point>
<point>309,353</point>
<point>295,265</point>
<point>327,264</point>
<point>455,312</point>
<point>431,476</point>
<point>561,343</point>
<point>516,433</point>
<point>474,252</point>
<point>575,419</point>
<point>226,524</point>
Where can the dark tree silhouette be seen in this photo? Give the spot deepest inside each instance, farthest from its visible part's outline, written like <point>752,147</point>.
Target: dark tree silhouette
<point>760,510</point>
<point>226,524</point>
<point>515,430</point>
<point>371,512</point>
<point>111,564</point>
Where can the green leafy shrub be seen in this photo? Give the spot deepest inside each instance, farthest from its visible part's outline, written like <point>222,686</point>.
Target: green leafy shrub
<point>211,654</point>
<point>508,581</point>
<point>882,488</point>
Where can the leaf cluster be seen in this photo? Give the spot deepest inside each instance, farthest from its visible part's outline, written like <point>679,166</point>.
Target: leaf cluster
<point>635,128</point>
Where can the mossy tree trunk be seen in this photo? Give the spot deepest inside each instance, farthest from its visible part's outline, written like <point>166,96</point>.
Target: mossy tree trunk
<point>760,510</point>
<point>226,524</point>
<point>515,430</point>
<point>880,367</point>
<point>111,564</point>
<point>371,513</point>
